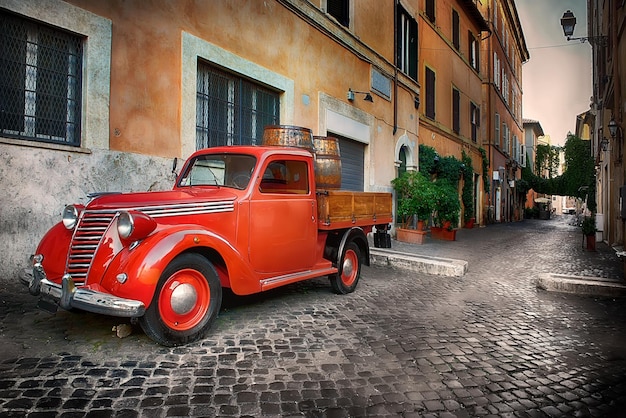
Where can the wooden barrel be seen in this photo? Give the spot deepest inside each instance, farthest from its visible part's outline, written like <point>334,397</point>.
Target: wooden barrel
<point>327,162</point>
<point>288,136</point>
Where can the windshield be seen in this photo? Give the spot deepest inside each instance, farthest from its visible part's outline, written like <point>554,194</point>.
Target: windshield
<point>230,170</point>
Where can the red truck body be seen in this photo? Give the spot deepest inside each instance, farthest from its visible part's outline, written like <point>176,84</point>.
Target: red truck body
<point>248,218</point>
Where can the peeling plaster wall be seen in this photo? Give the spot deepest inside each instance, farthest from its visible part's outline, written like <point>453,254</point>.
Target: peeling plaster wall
<point>38,183</point>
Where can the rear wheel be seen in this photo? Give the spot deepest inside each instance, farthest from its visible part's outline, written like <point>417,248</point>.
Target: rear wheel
<point>347,278</point>
<point>186,301</point>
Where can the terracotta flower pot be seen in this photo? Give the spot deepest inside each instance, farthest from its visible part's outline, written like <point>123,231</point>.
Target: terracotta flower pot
<point>591,242</point>
<point>443,233</point>
<point>411,236</point>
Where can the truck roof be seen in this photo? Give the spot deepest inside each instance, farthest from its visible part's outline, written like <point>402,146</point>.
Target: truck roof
<point>255,150</point>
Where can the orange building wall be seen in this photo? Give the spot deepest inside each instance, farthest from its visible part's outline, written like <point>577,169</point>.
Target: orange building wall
<point>146,81</point>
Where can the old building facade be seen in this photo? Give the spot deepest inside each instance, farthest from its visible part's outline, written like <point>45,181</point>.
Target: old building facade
<point>607,35</point>
<point>102,96</point>
<point>451,75</point>
<point>505,52</point>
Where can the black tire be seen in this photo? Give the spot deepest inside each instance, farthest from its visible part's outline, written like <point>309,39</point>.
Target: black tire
<point>186,302</point>
<point>346,280</point>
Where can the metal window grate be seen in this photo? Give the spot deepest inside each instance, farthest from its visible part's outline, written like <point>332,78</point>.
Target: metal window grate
<point>40,81</point>
<point>231,110</point>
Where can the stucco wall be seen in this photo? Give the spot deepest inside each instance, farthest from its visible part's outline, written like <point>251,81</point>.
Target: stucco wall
<point>29,208</point>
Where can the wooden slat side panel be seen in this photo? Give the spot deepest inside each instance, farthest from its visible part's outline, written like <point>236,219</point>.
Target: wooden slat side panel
<point>339,208</point>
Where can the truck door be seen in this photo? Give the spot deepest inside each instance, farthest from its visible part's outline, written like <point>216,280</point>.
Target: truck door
<point>283,218</point>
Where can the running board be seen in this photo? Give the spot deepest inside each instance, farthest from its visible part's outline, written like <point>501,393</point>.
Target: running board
<point>278,281</point>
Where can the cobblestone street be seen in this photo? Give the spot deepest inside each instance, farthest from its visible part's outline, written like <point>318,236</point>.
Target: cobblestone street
<point>402,345</point>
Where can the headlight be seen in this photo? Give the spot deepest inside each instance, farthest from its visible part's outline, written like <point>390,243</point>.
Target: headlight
<point>134,225</point>
<point>125,225</point>
<point>70,216</point>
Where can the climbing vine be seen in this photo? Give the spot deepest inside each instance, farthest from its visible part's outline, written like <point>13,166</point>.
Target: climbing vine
<point>547,159</point>
<point>468,187</point>
<point>578,178</point>
<point>486,182</point>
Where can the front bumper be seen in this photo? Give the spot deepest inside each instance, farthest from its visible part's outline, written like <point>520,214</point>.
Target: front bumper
<point>68,296</point>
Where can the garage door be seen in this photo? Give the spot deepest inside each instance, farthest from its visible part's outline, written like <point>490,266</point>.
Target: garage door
<point>352,165</point>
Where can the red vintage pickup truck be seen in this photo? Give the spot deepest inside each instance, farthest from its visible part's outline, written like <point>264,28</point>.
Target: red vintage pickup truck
<point>248,218</point>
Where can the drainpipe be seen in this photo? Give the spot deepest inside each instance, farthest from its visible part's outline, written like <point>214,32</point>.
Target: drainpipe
<point>619,109</point>
<point>395,67</point>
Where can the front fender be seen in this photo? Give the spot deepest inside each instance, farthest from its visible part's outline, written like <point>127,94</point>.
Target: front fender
<point>54,247</point>
<point>144,263</point>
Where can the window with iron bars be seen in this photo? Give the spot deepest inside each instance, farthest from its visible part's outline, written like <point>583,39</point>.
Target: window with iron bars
<point>40,81</point>
<point>232,110</point>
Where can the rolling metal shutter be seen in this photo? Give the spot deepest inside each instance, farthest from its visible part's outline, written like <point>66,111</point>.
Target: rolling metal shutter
<point>352,163</point>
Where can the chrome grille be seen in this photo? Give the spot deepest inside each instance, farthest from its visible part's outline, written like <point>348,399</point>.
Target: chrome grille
<point>87,236</point>
<point>94,223</point>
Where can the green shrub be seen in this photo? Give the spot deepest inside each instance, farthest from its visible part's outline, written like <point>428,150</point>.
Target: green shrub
<point>415,196</point>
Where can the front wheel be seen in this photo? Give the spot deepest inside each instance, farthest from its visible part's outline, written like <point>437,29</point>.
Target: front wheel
<point>186,302</point>
<point>347,278</point>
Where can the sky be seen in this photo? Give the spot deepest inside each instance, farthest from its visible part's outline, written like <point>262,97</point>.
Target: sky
<point>556,80</point>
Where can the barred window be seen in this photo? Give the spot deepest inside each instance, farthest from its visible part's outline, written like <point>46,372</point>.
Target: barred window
<point>232,110</point>
<point>40,81</point>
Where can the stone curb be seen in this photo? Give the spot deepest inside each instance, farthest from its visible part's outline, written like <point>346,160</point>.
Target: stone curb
<point>422,263</point>
<point>582,285</point>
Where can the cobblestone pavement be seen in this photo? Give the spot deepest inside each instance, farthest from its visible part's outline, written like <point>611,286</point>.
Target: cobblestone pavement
<point>486,344</point>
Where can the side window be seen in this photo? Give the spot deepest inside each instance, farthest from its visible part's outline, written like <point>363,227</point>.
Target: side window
<point>474,53</point>
<point>430,10</point>
<point>340,10</point>
<point>430,93</point>
<point>285,177</point>
<point>407,43</point>
<point>456,29</point>
<point>475,121</point>
<point>456,110</point>
<point>496,124</point>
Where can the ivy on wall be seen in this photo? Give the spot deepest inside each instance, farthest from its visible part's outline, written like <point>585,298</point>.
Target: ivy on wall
<point>449,169</point>
<point>547,159</point>
<point>578,178</point>
<point>486,180</point>
<point>468,187</point>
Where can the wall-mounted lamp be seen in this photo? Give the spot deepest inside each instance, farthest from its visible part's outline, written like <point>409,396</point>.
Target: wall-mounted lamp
<point>367,98</point>
<point>613,127</point>
<point>604,144</point>
<point>568,22</point>
<point>416,102</point>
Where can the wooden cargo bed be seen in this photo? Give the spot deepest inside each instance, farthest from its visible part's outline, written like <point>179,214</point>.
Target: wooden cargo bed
<point>338,209</point>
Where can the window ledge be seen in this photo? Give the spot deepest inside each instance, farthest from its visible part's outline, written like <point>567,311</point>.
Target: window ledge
<point>44,145</point>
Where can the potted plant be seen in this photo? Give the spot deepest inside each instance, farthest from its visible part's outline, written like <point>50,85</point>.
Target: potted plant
<point>415,201</point>
<point>447,210</point>
<point>588,227</point>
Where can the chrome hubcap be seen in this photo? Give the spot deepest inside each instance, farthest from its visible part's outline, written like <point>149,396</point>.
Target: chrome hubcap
<point>184,298</point>
<point>348,267</point>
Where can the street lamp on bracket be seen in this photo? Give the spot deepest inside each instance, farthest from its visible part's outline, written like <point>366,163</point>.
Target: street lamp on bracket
<point>568,22</point>
<point>613,127</point>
